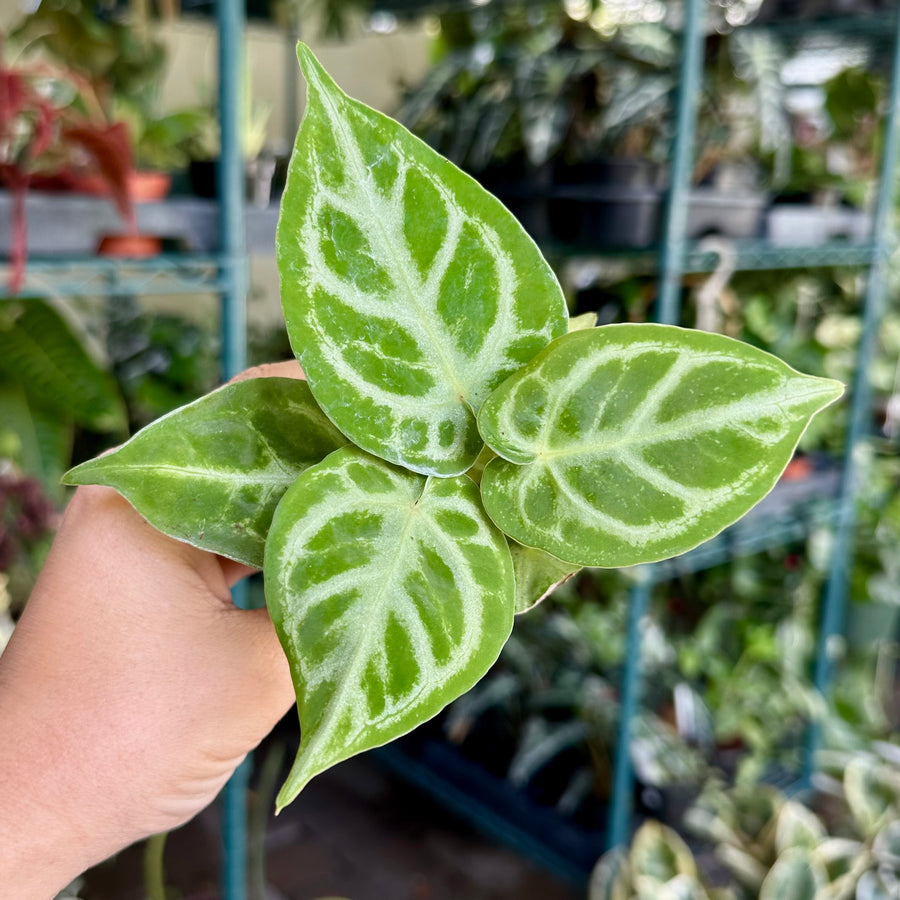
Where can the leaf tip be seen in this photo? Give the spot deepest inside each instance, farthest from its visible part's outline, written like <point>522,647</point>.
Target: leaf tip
<point>825,390</point>
<point>85,473</point>
<point>313,71</point>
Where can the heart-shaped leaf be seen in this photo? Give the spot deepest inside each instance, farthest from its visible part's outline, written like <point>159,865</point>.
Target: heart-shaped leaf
<point>660,853</point>
<point>632,443</point>
<point>797,826</point>
<point>211,473</point>
<point>409,292</point>
<point>872,790</point>
<point>392,594</point>
<point>795,876</point>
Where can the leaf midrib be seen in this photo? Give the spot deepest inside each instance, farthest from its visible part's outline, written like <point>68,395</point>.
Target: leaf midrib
<point>630,438</point>
<point>232,476</point>
<point>401,271</point>
<point>369,630</point>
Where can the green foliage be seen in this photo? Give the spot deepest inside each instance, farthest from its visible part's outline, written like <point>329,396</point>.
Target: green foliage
<point>418,308</point>
<point>413,294</point>
<point>530,83</point>
<point>775,847</point>
<point>49,383</point>
<point>657,866</point>
<point>613,441</point>
<point>380,581</point>
<point>229,456</point>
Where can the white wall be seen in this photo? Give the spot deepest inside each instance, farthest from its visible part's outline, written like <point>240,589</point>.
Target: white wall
<point>370,67</point>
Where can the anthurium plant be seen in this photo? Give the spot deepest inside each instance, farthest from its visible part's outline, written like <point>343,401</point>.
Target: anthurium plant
<point>459,446</point>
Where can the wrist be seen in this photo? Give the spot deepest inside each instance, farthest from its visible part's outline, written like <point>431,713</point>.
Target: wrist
<point>45,842</point>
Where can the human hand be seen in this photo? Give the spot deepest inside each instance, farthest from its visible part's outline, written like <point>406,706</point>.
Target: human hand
<point>130,691</point>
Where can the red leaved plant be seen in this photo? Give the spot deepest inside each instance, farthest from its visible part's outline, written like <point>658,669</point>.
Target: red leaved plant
<point>40,137</point>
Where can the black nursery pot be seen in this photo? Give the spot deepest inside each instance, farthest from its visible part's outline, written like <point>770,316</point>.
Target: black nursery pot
<point>202,177</point>
<point>607,204</point>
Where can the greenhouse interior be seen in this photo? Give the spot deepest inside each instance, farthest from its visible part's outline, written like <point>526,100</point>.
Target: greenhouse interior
<point>580,538</point>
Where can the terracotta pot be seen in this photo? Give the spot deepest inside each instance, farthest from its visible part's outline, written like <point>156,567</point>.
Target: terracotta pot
<point>148,186</point>
<point>143,186</point>
<point>130,246</point>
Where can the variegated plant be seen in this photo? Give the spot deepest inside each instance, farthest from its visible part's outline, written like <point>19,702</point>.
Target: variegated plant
<point>461,446</point>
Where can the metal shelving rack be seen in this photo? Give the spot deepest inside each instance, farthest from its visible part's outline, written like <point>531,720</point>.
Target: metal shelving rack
<point>839,509</point>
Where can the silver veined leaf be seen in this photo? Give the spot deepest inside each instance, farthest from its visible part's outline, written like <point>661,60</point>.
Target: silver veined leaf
<point>392,594</point>
<point>797,826</point>
<point>681,887</point>
<point>409,292</point>
<point>872,791</point>
<point>610,873</point>
<point>538,575</point>
<point>211,473</point>
<point>660,853</point>
<point>628,444</point>
<point>796,875</point>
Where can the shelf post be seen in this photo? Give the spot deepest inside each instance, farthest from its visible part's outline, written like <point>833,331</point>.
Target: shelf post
<point>667,311</point>
<point>834,598</point>
<point>675,218</point>
<point>621,799</point>
<point>233,261</point>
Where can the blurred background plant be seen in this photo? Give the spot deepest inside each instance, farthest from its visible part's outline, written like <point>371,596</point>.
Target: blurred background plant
<point>28,521</point>
<point>119,64</point>
<point>50,384</point>
<point>844,842</point>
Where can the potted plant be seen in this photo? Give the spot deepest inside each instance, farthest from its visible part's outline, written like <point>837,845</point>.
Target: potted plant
<point>45,136</point>
<point>50,385</point>
<point>774,847</point>
<point>460,446</point>
<point>833,164</point>
<point>569,122</point>
<point>120,64</point>
<point>537,105</point>
<point>203,150</point>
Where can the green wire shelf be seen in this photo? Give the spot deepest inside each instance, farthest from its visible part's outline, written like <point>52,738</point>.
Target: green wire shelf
<point>172,274</point>
<point>759,255</point>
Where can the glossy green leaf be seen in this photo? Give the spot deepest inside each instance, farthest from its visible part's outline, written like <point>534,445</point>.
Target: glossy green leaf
<point>797,826</point>
<point>632,443</point>
<point>659,852</point>
<point>211,473</point>
<point>795,876</point>
<point>609,876</point>
<point>538,575</point>
<point>392,594</point>
<point>409,292</point>
<point>872,790</point>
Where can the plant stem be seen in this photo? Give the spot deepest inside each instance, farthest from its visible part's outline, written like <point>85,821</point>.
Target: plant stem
<point>154,874</point>
<point>262,802</point>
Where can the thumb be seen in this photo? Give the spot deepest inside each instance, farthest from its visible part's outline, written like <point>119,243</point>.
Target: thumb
<point>267,674</point>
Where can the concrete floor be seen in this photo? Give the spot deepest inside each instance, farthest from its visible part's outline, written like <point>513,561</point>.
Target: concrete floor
<point>356,832</point>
